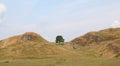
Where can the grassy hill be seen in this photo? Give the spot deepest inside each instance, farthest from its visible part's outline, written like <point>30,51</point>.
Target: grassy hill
<point>104,43</point>
<point>100,48</point>
<point>29,45</point>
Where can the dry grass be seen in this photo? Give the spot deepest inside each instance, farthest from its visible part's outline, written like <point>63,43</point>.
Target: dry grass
<point>34,47</point>
<point>105,43</point>
<point>36,51</point>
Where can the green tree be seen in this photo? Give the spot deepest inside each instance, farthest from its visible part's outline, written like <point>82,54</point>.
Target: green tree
<point>59,39</point>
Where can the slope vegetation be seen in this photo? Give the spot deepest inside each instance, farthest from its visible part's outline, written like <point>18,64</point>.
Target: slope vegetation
<point>106,43</point>
<point>28,45</point>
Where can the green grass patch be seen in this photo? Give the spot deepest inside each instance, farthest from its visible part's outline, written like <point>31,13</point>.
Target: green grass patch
<point>61,62</point>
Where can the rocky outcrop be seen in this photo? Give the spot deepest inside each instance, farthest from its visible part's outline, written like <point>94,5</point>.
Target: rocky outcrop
<point>29,36</point>
<point>87,39</point>
<point>91,37</point>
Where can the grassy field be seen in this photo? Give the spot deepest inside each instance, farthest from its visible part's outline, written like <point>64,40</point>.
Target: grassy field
<point>75,57</point>
<point>61,62</point>
<point>81,57</point>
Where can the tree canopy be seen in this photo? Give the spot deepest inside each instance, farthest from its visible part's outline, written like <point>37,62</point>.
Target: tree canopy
<point>59,39</point>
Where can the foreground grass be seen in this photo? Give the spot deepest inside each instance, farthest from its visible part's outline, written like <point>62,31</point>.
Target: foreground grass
<point>61,62</point>
<point>81,57</point>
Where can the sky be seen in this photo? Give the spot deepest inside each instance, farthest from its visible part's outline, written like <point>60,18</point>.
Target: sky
<point>49,18</point>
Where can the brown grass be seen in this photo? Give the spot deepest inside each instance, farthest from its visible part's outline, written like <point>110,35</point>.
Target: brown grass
<point>105,43</point>
<point>35,47</point>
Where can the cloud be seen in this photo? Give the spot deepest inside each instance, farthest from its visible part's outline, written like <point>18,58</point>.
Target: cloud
<point>115,24</point>
<point>2,8</point>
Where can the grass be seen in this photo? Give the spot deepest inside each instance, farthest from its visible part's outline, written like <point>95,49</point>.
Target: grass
<point>83,57</point>
<point>86,53</point>
<point>64,60</point>
<point>71,57</point>
<point>92,62</point>
<point>61,62</point>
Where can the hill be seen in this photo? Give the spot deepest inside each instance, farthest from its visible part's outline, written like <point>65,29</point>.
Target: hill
<point>28,45</point>
<point>105,43</point>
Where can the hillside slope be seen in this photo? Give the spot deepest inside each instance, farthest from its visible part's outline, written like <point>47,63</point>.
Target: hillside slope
<point>106,43</point>
<point>28,45</point>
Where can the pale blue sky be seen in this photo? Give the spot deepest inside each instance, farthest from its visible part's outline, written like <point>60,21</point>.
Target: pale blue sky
<point>49,18</point>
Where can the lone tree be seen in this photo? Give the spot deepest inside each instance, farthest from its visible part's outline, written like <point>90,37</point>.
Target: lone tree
<point>59,39</point>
